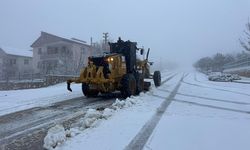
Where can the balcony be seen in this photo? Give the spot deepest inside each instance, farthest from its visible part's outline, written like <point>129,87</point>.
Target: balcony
<point>56,52</point>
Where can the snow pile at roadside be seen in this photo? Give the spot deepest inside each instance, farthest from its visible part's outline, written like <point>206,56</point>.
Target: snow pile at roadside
<point>107,113</point>
<point>90,118</point>
<point>57,134</point>
<point>222,77</point>
<point>119,104</point>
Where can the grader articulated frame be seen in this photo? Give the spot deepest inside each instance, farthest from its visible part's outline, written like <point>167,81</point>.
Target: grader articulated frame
<point>118,71</point>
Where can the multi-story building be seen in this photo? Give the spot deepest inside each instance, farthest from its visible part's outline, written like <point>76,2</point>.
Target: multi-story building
<point>56,55</point>
<point>14,62</point>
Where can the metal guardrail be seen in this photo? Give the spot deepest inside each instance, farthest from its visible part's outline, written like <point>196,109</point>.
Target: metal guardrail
<point>239,63</point>
<point>30,77</point>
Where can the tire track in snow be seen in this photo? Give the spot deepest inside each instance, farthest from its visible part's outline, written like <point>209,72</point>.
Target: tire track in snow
<point>33,117</point>
<point>31,102</point>
<point>29,134</point>
<point>218,89</point>
<point>212,106</point>
<point>142,137</point>
<point>169,78</point>
<point>207,98</point>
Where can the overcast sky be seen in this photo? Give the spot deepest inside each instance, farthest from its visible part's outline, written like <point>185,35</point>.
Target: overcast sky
<point>175,30</point>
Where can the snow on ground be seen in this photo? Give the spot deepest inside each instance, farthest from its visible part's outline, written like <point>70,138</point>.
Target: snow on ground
<point>186,126</point>
<point>203,115</point>
<point>199,120</point>
<point>16,100</point>
<point>119,129</point>
<point>202,81</point>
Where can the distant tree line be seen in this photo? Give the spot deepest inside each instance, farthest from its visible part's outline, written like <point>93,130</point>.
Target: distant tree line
<point>245,41</point>
<point>217,61</point>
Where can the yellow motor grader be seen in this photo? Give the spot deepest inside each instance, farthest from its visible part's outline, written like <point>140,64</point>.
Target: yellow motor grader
<point>119,70</point>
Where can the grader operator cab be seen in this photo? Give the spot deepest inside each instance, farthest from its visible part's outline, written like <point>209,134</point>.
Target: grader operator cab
<point>118,71</point>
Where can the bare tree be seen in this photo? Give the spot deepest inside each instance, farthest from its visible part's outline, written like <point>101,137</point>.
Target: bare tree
<point>204,64</point>
<point>80,63</point>
<point>218,62</point>
<point>245,43</point>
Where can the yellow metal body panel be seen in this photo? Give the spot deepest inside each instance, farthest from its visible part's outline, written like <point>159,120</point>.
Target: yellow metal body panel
<point>94,76</point>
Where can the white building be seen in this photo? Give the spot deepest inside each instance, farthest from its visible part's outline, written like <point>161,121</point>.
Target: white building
<point>56,55</point>
<point>14,62</point>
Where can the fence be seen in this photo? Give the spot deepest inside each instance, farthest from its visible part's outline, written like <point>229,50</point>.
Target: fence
<point>25,81</point>
<point>240,67</point>
<point>245,62</point>
<point>22,77</point>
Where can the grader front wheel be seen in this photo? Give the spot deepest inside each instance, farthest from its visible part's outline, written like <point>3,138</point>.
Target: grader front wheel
<point>139,83</point>
<point>88,92</point>
<point>128,85</point>
<point>157,78</point>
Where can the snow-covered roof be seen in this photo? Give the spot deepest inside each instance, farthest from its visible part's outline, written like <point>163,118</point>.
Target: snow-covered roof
<point>15,51</point>
<point>49,38</point>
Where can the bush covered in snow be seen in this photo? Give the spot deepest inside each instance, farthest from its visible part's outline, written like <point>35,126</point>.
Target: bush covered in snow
<point>222,77</point>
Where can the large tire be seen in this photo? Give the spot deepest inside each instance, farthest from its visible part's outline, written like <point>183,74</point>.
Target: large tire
<point>139,83</point>
<point>87,92</point>
<point>157,78</point>
<point>128,83</point>
<point>147,86</point>
<point>147,72</point>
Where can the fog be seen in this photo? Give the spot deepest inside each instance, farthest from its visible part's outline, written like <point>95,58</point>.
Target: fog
<point>175,30</point>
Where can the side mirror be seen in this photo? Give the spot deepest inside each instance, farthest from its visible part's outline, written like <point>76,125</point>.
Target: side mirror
<point>142,51</point>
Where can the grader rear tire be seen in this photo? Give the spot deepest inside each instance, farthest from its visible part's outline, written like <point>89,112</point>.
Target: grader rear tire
<point>128,83</point>
<point>157,78</point>
<point>87,92</point>
<point>139,83</point>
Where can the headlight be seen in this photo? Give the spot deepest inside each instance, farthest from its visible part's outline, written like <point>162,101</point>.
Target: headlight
<point>110,59</point>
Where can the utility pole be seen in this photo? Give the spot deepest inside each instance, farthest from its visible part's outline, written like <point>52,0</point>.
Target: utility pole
<point>91,46</point>
<point>105,36</point>
<point>91,41</point>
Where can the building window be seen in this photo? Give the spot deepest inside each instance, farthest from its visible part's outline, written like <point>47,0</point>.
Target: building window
<point>26,61</point>
<point>39,64</point>
<point>52,50</point>
<point>56,50</point>
<point>39,51</point>
<point>12,61</point>
<point>63,50</point>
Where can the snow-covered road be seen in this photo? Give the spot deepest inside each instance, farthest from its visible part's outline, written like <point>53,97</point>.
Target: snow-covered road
<point>202,115</point>
<point>205,115</point>
<point>17,100</point>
